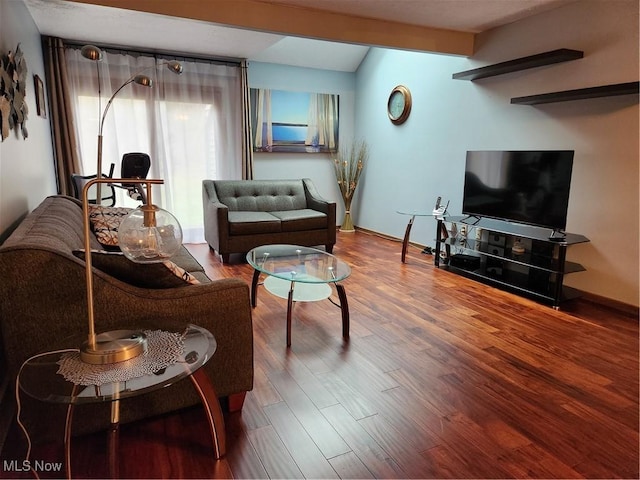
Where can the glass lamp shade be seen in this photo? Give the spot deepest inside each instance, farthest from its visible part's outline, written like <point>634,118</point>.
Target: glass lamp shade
<point>149,234</point>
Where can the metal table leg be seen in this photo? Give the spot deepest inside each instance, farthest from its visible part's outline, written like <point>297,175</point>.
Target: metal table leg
<point>204,387</point>
<point>405,241</point>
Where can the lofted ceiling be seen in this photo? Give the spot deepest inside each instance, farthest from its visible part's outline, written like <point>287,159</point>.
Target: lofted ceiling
<point>91,22</point>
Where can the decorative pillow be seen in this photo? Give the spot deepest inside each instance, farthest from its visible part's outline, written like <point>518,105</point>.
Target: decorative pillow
<point>146,275</point>
<point>180,272</point>
<point>105,222</point>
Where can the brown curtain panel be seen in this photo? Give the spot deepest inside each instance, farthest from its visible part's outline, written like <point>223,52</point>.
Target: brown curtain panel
<point>247,150</point>
<point>66,157</point>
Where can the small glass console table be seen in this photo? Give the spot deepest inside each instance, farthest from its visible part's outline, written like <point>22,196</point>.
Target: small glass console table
<point>299,274</point>
<point>413,214</point>
<point>40,379</point>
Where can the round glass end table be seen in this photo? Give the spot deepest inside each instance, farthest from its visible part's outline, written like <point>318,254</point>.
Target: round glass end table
<point>40,377</point>
<point>299,274</point>
<point>413,214</point>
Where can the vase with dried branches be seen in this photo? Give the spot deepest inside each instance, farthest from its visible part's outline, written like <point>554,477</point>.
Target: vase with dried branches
<point>349,162</point>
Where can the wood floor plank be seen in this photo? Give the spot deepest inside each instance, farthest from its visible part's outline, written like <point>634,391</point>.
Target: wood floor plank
<point>348,465</point>
<point>306,378</point>
<point>357,403</point>
<point>276,459</point>
<point>378,462</point>
<point>393,441</point>
<point>243,455</point>
<point>308,457</point>
<point>306,412</point>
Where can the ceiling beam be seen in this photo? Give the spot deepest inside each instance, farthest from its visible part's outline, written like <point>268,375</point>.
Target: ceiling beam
<point>304,22</point>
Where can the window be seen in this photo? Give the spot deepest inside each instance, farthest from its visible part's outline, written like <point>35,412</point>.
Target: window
<point>190,125</point>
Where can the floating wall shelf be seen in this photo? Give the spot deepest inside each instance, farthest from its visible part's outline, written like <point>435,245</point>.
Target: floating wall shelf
<point>533,61</point>
<point>630,88</point>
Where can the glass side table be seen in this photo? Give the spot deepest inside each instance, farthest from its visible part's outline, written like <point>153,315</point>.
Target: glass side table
<point>302,274</point>
<point>39,378</point>
<point>413,214</point>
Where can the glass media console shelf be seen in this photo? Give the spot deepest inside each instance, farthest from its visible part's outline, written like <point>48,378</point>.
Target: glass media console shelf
<point>520,258</point>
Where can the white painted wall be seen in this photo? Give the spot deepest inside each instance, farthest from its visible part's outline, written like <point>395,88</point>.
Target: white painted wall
<point>414,163</point>
<point>26,166</point>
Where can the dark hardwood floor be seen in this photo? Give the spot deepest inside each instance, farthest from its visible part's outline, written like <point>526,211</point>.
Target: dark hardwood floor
<point>442,378</point>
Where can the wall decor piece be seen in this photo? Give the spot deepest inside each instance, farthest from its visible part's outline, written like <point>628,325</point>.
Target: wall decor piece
<point>348,164</point>
<point>39,89</point>
<point>399,105</point>
<point>13,90</point>
<point>284,121</point>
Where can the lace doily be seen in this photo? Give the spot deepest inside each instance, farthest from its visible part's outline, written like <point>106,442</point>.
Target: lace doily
<point>163,349</point>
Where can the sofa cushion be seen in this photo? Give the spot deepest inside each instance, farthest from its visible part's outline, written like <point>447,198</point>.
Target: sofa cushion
<point>200,276</point>
<point>105,222</point>
<point>186,261</point>
<point>145,275</point>
<point>249,223</point>
<point>297,220</point>
<point>261,195</point>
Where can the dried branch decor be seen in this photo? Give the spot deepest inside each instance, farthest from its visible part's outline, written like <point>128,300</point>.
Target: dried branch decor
<point>348,163</point>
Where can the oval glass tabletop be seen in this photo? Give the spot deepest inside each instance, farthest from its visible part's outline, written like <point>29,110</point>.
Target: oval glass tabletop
<point>40,376</point>
<point>415,213</point>
<point>298,264</point>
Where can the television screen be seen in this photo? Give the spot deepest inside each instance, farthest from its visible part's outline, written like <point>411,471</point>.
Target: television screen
<point>529,187</point>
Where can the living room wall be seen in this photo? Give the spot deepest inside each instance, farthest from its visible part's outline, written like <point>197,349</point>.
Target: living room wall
<point>26,169</point>
<point>317,166</point>
<point>414,163</point>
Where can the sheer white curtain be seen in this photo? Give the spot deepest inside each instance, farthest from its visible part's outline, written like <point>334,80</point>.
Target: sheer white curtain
<point>190,125</point>
<point>322,120</point>
<point>264,124</point>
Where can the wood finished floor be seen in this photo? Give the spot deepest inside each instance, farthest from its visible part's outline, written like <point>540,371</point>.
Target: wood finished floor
<point>442,378</point>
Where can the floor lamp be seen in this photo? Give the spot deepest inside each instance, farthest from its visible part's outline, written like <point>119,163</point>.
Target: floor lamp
<point>148,234</point>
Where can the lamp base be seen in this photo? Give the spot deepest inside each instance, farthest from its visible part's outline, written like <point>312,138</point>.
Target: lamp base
<point>115,346</point>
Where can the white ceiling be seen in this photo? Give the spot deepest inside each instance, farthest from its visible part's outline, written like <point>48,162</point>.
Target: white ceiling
<point>106,25</point>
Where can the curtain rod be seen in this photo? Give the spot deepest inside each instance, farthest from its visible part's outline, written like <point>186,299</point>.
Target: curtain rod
<point>163,54</point>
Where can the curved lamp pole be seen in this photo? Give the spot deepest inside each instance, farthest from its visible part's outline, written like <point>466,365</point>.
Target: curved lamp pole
<point>92,52</point>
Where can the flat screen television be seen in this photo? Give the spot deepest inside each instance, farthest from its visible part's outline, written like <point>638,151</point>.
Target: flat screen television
<point>530,187</point>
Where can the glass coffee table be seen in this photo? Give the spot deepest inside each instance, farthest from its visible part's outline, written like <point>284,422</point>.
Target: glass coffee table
<point>299,274</point>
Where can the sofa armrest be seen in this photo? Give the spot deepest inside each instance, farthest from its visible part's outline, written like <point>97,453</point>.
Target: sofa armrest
<point>216,217</point>
<point>316,202</point>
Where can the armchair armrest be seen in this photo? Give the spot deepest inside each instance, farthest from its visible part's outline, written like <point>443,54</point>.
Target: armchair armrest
<point>315,200</point>
<point>216,217</point>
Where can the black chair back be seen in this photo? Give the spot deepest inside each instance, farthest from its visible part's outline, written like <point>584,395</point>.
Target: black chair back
<point>107,191</point>
<point>135,165</point>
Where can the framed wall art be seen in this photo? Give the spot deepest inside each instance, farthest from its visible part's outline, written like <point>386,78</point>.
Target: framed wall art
<point>302,122</point>
<point>40,103</point>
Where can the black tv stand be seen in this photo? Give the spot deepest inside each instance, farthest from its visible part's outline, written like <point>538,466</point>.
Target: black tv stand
<point>469,217</point>
<point>557,236</point>
<point>520,258</point>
